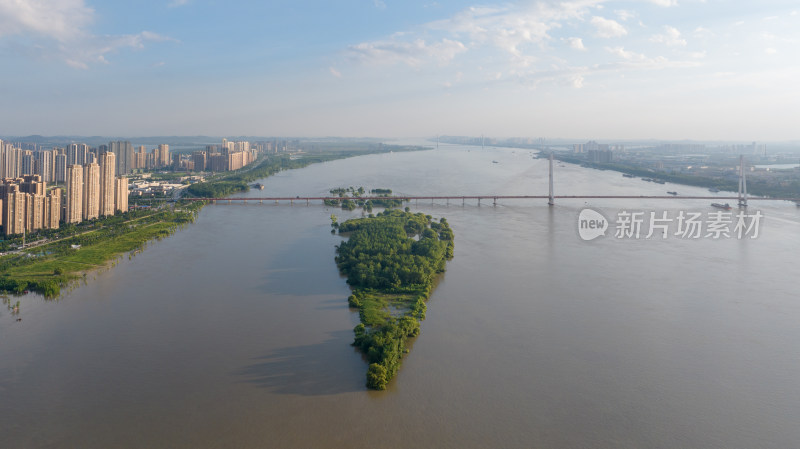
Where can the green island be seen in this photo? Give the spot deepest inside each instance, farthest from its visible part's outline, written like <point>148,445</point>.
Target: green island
<point>391,260</point>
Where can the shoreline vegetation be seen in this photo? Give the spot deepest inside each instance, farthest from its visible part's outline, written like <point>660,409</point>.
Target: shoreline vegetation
<point>48,268</point>
<point>238,181</point>
<point>391,260</point>
<point>754,187</point>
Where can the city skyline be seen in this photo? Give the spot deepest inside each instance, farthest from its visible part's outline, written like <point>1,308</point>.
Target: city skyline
<point>660,69</point>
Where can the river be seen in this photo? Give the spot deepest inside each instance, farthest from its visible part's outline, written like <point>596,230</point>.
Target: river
<point>235,332</point>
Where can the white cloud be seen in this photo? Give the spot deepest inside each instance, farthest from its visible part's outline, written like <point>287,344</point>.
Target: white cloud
<point>633,60</point>
<point>380,4</point>
<point>520,32</point>
<point>625,54</point>
<point>62,20</point>
<point>671,37</point>
<point>335,72</point>
<point>624,14</point>
<point>575,43</point>
<point>409,53</point>
<point>177,3</point>
<point>59,28</point>
<point>94,49</point>
<point>608,28</point>
<point>664,3</point>
<point>525,35</point>
<point>770,51</point>
<point>702,32</point>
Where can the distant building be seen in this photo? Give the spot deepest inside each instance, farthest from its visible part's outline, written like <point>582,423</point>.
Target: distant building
<point>199,158</point>
<point>163,159</point>
<point>600,156</point>
<point>124,156</point>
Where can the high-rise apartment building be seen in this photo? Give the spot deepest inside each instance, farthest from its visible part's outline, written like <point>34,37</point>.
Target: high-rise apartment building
<point>74,198</point>
<point>9,161</point>
<point>163,159</point>
<point>125,156</point>
<point>45,165</point>
<point>199,158</point>
<point>52,209</point>
<point>27,164</point>
<point>24,206</point>
<point>60,168</point>
<point>121,201</point>
<point>13,210</point>
<point>91,191</point>
<point>72,154</point>
<point>108,166</point>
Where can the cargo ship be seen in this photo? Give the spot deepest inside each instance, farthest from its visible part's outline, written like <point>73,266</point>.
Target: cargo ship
<point>725,206</point>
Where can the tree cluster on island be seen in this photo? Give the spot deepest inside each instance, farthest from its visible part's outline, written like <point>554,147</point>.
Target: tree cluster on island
<point>391,260</point>
<point>351,198</point>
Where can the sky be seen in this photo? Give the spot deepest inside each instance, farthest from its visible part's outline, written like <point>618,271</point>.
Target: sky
<point>663,69</point>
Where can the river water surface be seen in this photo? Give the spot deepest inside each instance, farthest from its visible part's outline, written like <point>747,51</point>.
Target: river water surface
<point>235,332</point>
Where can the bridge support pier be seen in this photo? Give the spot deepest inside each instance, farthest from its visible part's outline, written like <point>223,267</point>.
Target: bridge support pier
<point>229,201</point>
<point>494,203</point>
<point>463,201</point>
<point>291,202</point>
<point>306,201</point>
<point>479,202</point>
<point>261,202</point>
<point>448,202</point>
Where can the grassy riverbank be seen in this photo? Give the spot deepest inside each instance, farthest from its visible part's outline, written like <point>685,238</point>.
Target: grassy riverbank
<point>49,267</point>
<point>391,261</point>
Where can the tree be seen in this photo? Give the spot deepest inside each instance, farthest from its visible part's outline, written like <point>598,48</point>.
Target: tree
<point>376,377</point>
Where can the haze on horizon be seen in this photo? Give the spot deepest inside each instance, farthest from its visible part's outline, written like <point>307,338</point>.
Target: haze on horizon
<point>666,69</point>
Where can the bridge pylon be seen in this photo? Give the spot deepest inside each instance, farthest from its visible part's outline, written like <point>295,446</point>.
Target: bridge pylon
<point>742,183</point>
<point>551,200</point>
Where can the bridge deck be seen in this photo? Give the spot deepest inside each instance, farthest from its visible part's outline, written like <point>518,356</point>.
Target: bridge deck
<point>490,197</point>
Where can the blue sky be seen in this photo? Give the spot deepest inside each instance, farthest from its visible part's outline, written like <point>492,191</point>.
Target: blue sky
<point>670,69</point>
